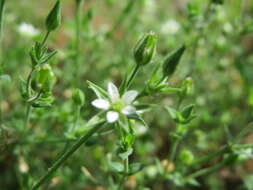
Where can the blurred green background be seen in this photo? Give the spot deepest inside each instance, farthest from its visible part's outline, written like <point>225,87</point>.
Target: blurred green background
<point>218,58</point>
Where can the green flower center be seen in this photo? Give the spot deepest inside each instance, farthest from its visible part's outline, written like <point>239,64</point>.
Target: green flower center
<point>118,105</point>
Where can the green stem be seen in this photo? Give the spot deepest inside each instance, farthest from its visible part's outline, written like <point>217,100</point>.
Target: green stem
<point>2,5</point>
<point>128,80</point>
<point>45,38</point>
<point>124,177</point>
<point>211,156</point>
<point>27,116</point>
<point>174,149</point>
<point>78,21</point>
<point>46,141</point>
<point>132,76</point>
<point>77,118</point>
<point>67,154</point>
<point>178,139</point>
<point>206,171</point>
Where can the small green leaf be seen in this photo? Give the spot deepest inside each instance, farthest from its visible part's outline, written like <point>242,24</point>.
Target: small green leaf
<point>116,166</point>
<point>137,118</point>
<point>135,167</point>
<point>126,154</point>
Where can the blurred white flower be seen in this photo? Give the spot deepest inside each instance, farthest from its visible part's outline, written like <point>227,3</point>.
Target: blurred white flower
<point>116,105</point>
<point>171,26</point>
<point>27,30</point>
<point>23,166</point>
<point>141,130</point>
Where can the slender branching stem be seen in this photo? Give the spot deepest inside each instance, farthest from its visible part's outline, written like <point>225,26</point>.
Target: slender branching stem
<point>210,156</point>
<point>59,162</point>
<point>208,170</point>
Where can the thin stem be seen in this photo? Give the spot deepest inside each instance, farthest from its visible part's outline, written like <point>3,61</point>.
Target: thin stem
<point>178,139</point>
<point>67,154</point>
<point>29,142</point>
<point>124,177</point>
<point>2,5</point>
<point>78,20</point>
<point>129,79</point>
<point>78,110</point>
<point>211,156</point>
<point>27,115</point>
<point>206,171</point>
<point>45,38</point>
<point>28,83</point>
<point>174,149</point>
<point>132,76</point>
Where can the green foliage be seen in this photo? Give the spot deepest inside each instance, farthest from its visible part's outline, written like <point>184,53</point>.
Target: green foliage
<point>126,113</point>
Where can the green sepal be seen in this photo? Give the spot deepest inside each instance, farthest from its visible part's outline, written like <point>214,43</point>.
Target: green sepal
<point>101,93</point>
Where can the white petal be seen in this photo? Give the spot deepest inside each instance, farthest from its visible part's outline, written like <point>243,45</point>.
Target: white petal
<point>113,92</point>
<point>112,116</point>
<point>101,104</point>
<point>128,110</point>
<point>129,96</point>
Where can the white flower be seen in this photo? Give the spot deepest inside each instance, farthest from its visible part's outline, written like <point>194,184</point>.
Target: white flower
<point>116,105</point>
<point>171,26</point>
<point>27,30</point>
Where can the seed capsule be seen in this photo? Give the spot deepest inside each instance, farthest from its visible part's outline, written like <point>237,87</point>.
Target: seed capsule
<point>44,79</point>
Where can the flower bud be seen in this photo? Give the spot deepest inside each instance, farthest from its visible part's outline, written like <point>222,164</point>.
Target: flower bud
<point>145,49</point>
<point>187,111</point>
<point>54,18</point>
<point>171,61</point>
<point>78,97</point>
<point>44,79</point>
<point>187,87</point>
<point>186,157</point>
